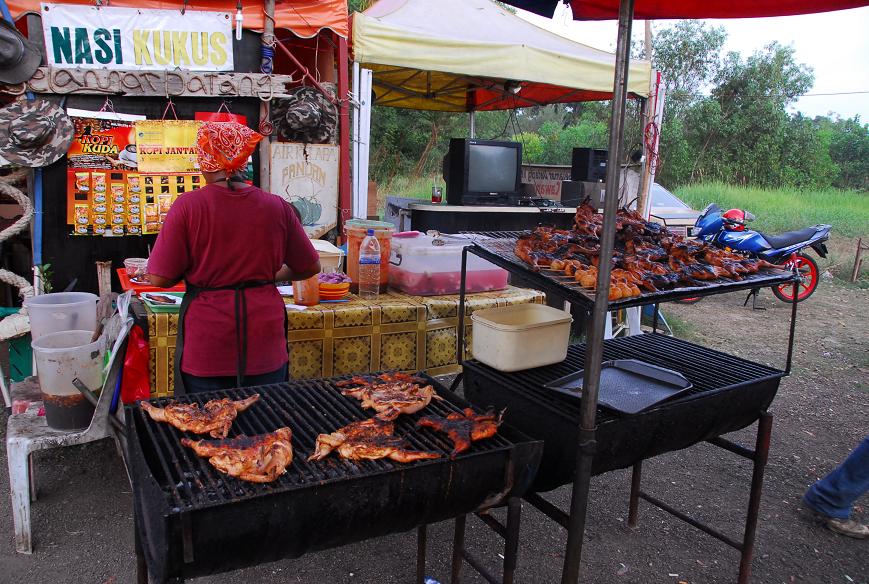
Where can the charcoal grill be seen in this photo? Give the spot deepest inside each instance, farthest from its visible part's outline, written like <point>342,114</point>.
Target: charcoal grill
<point>192,520</point>
<point>582,437</point>
<point>728,394</point>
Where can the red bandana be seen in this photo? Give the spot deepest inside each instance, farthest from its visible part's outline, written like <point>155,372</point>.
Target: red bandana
<point>225,146</point>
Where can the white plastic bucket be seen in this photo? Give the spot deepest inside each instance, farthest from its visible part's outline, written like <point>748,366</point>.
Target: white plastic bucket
<point>61,311</point>
<point>521,336</point>
<point>60,358</point>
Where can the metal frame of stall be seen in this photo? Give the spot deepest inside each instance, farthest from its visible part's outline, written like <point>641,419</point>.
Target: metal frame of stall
<point>574,521</point>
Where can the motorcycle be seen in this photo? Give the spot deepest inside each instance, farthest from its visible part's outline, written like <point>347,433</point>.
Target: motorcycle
<point>728,230</point>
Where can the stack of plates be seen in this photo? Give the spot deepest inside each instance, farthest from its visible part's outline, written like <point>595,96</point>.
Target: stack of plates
<point>334,291</point>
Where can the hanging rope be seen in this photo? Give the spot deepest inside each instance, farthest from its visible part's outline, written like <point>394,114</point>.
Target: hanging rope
<point>16,324</point>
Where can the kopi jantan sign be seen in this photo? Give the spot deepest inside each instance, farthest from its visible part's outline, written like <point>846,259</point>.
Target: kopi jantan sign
<point>88,37</point>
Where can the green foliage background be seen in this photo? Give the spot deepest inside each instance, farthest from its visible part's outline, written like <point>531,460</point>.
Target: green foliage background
<point>727,119</point>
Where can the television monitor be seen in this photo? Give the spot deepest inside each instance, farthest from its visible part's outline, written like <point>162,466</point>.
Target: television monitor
<point>483,172</point>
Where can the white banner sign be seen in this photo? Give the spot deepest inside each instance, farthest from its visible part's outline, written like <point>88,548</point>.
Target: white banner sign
<point>88,37</point>
<point>306,175</point>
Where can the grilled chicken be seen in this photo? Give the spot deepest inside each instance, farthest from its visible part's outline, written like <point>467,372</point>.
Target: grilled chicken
<point>370,439</point>
<point>646,256</point>
<point>215,417</point>
<point>390,394</point>
<point>463,427</point>
<point>258,459</point>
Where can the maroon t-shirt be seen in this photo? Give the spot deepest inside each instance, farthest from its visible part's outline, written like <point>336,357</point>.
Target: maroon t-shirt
<point>215,237</point>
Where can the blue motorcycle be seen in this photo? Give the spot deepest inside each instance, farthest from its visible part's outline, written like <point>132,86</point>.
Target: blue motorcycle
<point>727,230</point>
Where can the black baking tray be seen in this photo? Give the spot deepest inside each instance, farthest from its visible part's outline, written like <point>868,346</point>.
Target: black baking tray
<point>628,386</point>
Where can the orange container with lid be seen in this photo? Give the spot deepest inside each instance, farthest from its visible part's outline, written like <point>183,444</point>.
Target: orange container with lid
<point>307,292</point>
<point>355,231</point>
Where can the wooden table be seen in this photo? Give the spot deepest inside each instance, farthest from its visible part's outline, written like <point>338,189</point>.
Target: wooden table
<point>396,331</point>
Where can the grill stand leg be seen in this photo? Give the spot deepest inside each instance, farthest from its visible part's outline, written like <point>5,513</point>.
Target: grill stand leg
<point>141,565</point>
<point>634,505</point>
<point>510,533</point>
<point>458,549</point>
<point>761,455</point>
<point>420,554</point>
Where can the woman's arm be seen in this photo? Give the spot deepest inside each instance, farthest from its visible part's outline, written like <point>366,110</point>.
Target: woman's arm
<point>285,274</point>
<point>161,282</point>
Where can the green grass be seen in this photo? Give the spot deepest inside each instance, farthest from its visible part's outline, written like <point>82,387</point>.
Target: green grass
<point>785,210</point>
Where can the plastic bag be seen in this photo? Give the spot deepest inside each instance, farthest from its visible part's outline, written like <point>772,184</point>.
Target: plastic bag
<point>136,377</point>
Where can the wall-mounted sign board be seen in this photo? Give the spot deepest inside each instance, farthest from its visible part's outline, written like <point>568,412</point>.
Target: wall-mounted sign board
<point>105,37</point>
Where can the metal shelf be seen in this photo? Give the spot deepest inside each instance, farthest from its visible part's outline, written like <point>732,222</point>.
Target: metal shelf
<point>497,247</point>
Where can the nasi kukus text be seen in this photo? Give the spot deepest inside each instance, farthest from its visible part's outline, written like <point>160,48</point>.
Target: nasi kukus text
<point>79,45</point>
<point>106,37</point>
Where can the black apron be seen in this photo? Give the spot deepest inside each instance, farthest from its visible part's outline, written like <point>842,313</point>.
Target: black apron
<point>240,326</point>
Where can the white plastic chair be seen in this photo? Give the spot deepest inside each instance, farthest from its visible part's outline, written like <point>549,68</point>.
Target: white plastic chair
<point>26,433</point>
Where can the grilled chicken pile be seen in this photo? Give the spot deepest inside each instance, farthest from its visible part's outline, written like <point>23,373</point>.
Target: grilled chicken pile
<point>259,459</point>
<point>463,427</point>
<point>370,439</point>
<point>646,256</point>
<point>215,417</point>
<point>390,394</point>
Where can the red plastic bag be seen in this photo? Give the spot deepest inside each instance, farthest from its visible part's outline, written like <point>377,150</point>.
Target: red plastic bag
<point>136,378</point>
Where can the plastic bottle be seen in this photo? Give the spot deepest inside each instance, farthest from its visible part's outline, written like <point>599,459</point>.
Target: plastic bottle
<point>369,267</point>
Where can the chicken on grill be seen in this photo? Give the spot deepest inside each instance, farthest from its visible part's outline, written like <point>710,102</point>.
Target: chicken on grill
<point>370,439</point>
<point>258,459</point>
<point>215,417</point>
<point>645,257</point>
<point>463,427</point>
<point>390,394</point>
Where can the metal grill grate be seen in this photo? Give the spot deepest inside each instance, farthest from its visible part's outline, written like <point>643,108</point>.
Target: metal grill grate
<point>309,408</point>
<point>497,247</point>
<point>706,369</point>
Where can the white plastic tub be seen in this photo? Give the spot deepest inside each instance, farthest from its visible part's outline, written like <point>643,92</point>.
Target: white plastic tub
<point>62,311</point>
<point>60,358</point>
<point>330,256</point>
<point>421,268</point>
<point>522,336</point>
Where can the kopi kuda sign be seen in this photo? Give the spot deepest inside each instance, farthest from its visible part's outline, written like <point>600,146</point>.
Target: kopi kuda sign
<point>88,37</point>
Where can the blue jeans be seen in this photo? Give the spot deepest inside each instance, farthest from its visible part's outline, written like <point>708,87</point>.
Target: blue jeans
<point>196,384</point>
<point>834,494</point>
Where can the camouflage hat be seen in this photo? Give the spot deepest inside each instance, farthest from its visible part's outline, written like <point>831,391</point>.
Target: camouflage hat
<point>34,133</point>
<point>19,57</point>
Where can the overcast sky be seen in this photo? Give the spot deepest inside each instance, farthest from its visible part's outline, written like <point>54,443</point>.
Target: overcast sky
<point>834,44</point>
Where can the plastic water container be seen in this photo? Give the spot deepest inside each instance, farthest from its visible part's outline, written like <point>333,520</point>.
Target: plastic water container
<point>369,267</point>
<point>61,311</point>
<point>356,230</point>
<point>521,336</point>
<point>60,358</point>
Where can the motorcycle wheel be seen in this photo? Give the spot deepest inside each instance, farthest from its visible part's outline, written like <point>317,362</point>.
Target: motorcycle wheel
<point>809,274</point>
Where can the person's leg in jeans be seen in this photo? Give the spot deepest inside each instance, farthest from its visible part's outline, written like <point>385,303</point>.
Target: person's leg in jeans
<point>835,494</point>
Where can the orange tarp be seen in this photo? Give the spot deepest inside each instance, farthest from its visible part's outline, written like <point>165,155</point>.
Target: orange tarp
<point>305,18</point>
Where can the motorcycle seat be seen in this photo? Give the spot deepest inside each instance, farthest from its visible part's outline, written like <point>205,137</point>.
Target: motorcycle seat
<point>789,238</point>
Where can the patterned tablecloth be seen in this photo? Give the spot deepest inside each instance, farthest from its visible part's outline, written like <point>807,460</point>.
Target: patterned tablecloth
<point>396,331</point>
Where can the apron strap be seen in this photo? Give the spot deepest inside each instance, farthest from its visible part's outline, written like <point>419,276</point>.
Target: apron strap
<point>240,301</point>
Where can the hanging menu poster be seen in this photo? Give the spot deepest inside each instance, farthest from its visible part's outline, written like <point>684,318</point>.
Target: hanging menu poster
<point>102,174</point>
<point>306,175</point>
<point>167,145</point>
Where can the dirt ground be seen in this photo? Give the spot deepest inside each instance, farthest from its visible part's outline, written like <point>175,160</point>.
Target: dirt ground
<point>82,522</point>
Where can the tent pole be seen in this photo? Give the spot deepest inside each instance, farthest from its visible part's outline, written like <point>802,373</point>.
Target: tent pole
<point>647,116</point>
<point>345,196</point>
<point>268,37</point>
<point>594,340</point>
<point>472,124</point>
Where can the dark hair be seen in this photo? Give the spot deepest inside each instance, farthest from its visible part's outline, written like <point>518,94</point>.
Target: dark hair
<point>236,178</point>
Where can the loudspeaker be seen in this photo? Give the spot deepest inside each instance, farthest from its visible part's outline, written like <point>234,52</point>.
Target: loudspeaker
<point>574,192</point>
<point>588,164</point>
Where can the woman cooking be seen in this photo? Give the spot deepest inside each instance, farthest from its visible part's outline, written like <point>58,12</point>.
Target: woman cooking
<point>229,241</point>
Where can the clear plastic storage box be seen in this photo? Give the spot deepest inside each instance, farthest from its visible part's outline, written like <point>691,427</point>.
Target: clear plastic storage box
<point>426,266</point>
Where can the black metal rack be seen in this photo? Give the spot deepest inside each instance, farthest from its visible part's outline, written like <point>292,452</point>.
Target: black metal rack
<point>497,247</point>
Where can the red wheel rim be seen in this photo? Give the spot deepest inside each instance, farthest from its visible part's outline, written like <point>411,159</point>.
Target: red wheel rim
<point>808,280</point>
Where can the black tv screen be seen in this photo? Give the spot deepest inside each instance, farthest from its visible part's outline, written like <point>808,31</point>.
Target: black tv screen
<point>491,168</point>
<point>481,172</point>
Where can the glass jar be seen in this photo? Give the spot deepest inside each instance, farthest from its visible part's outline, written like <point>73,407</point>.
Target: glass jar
<point>307,292</point>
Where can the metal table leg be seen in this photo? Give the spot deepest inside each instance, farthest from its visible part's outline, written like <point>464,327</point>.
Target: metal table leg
<point>761,455</point>
<point>634,505</point>
<point>458,549</point>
